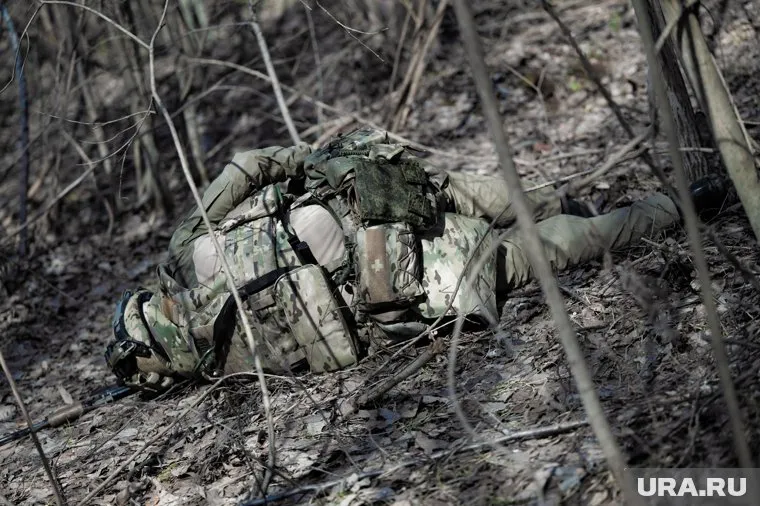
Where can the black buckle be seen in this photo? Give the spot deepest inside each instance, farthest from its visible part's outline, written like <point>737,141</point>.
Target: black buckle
<point>121,357</point>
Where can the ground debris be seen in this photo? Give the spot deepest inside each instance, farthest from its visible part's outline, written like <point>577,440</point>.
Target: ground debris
<point>639,316</point>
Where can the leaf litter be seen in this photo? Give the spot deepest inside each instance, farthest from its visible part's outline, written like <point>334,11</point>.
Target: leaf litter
<point>653,369</point>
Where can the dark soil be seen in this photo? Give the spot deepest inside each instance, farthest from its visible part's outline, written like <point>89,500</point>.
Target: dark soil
<point>637,313</point>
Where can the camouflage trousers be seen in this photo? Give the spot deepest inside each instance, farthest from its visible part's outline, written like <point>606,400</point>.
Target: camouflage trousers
<point>572,240</point>
<point>568,240</point>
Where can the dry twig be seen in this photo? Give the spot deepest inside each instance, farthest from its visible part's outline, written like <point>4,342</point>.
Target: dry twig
<point>29,423</point>
<point>692,228</point>
<point>356,117</point>
<point>218,248</point>
<point>23,143</point>
<point>272,75</point>
<point>746,272</point>
<point>416,69</point>
<point>589,69</point>
<point>93,164</point>
<point>541,266</point>
<point>350,31</point>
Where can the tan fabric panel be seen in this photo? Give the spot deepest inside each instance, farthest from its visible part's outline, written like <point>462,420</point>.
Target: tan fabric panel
<point>572,240</point>
<point>314,225</point>
<point>481,196</point>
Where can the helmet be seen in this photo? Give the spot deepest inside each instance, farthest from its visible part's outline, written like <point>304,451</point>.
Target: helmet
<point>148,348</point>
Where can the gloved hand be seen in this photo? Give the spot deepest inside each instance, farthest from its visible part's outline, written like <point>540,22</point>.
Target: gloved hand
<point>132,361</point>
<point>133,355</point>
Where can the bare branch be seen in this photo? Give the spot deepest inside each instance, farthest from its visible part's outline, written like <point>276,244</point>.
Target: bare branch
<point>29,423</point>
<point>350,31</point>
<point>103,17</point>
<point>575,358</point>
<point>273,75</point>
<point>23,142</point>
<point>692,228</point>
<point>217,247</point>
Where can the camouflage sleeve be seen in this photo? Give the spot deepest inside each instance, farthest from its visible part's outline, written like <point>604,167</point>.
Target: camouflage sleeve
<point>488,197</point>
<point>247,172</point>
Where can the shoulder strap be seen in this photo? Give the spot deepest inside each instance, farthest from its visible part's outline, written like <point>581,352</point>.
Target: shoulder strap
<point>224,326</point>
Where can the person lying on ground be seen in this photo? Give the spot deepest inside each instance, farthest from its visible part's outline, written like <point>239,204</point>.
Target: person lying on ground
<point>329,247</point>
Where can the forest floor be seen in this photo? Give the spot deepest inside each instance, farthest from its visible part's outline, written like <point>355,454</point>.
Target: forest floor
<point>637,313</point>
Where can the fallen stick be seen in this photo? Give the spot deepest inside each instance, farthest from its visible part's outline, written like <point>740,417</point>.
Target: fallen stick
<point>45,463</point>
<point>395,379</point>
<point>537,433</point>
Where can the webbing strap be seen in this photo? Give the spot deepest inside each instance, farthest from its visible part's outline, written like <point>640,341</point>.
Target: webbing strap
<point>224,325</point>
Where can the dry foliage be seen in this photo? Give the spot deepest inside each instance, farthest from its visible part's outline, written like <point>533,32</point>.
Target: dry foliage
<point>105,186</point>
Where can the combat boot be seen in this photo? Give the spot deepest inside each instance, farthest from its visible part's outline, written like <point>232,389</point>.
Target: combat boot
<point>575,208</point>
<point>709,195</point>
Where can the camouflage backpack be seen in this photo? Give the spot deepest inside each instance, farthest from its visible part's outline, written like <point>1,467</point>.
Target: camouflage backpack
<point>294,316</point>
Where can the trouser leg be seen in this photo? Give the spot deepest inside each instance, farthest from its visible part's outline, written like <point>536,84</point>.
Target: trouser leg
<point>486,197</point>
<point>571,240</point>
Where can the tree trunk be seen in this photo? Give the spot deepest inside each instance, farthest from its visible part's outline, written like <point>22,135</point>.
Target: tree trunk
<point>711,90</point>
<point>695,161</point>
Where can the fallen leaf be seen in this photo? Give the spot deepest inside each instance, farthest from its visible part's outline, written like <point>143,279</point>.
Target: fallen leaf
<point>315,424</point>
<point>7,411</point>
<point>65,395</point>
<point>428,445</point>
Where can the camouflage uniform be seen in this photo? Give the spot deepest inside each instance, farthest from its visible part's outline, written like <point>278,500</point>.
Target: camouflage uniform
<point>324,243</point>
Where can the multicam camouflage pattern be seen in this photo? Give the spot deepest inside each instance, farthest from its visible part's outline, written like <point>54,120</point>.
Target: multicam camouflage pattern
<point>276,347</point>
<point>316,320</point>
<point>395,263</point>
<point>136,330</point>
<point>297,318</point>
<point>169,336</point>
<point>266,202</point>
<point>445,256</point>
<point>165,341</point>
<point>227,195</point>
<point>253,249</point>
<point>257,248</point>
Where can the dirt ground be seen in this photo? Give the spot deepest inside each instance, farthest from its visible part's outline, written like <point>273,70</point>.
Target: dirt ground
<point>637,312</point>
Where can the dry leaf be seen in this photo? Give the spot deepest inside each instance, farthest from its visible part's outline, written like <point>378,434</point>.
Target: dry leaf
<point>65,395</point>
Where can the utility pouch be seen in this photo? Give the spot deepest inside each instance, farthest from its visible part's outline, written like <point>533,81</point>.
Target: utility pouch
<point>388,269</point>
<point>224,333</point>
<point>278,351</point>
<point>389,192</point>
<point>315,319</point>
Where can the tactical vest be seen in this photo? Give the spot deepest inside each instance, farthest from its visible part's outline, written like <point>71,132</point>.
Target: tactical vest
<point>404,257</point>
<point>406,252</point>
